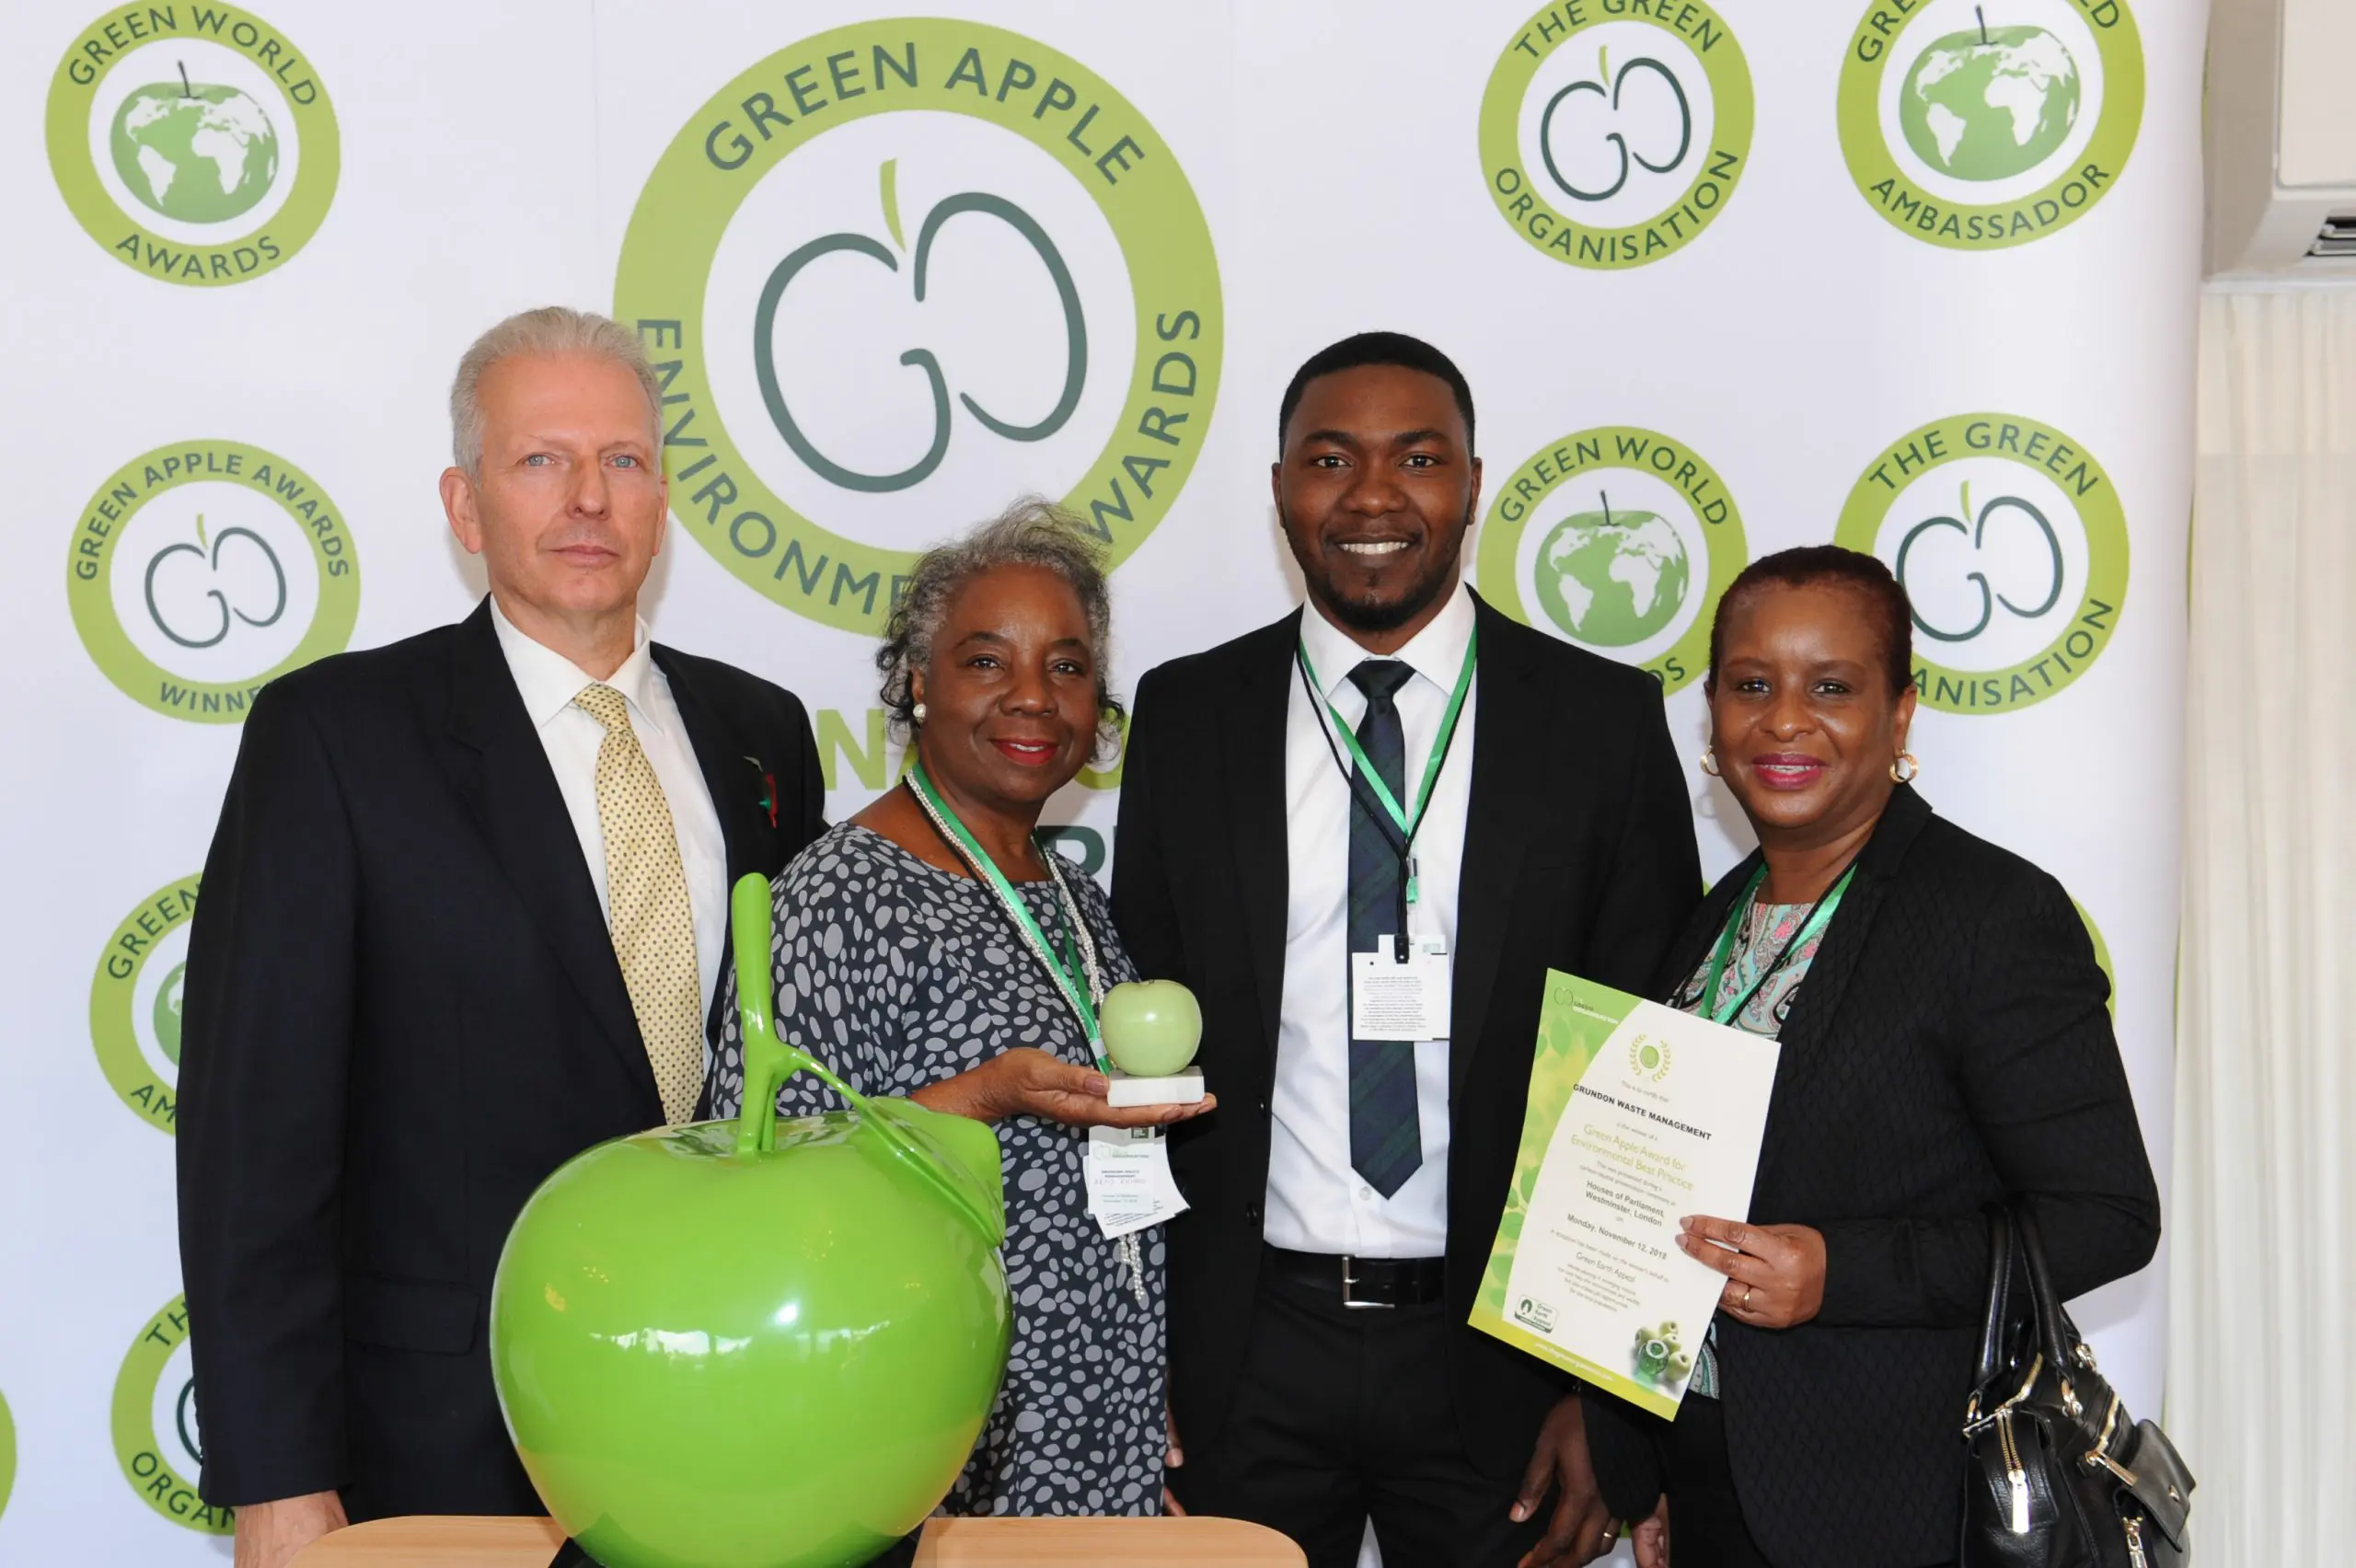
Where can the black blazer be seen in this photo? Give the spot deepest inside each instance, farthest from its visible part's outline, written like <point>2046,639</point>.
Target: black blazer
<point>402,1012</point>
<point>1578,855</point>
<point>1949,1045</point>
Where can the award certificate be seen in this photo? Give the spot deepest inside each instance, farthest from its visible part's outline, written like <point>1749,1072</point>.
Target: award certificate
<point>1639,1115</point>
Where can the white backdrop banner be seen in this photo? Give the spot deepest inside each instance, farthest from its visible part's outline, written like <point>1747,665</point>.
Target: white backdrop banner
<point>1916,275</point>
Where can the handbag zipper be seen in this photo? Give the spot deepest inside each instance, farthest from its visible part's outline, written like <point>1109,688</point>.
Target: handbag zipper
<point>2136,1543</point>
<point>2014,1472</point>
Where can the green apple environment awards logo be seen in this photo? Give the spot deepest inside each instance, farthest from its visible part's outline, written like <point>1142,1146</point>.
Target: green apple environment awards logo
<point>157,1437</point>
<point>135,1002</point>
<point>2009,540</point>
<point>1984,123</point>
<point>200,573</point>
<point>905,268</point>
<point>1623,539</point>
<point>192,141</point>
<point>1612,132</point>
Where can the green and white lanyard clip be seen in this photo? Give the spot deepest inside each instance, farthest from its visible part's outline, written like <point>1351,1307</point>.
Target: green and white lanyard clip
<point>1364,780</point>
<point>1082,984</point>
<point>1812,926</point>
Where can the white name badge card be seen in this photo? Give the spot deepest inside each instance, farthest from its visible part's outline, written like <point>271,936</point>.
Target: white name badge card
<point>1391,1000</point>
<point>1130,1183</point>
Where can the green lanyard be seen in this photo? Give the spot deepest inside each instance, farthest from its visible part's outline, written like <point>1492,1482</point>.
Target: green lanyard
<point>1407,824</point>
<point>1075,981</point>
<point>1819,917</point>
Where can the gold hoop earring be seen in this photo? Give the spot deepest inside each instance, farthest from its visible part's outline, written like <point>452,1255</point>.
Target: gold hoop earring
<point>1710,761</point>
<point>1906,769</point>
<point>916,714</point>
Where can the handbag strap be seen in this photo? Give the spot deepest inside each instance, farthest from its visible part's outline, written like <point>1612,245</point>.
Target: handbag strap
<point>1995,1331</point>
<point>2055,1332</point>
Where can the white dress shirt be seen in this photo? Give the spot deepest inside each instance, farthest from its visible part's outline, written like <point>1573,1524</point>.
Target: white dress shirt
<point>1317,1202</point>
<point>548,682</point>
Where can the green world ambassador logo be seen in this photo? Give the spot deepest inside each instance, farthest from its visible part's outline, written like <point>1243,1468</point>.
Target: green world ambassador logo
<point>200,573</point>
<point>2009,540</point>
<point>1618,539</point>
<point>157,1439</point>
<point>901,270</point>
<point>194,141</point>
<point>135,1002</point>
<point>1612,132</point>
<point>1984,123</point>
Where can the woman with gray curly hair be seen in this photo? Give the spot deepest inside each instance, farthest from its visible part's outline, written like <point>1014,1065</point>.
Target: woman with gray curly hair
<point>933,947</point>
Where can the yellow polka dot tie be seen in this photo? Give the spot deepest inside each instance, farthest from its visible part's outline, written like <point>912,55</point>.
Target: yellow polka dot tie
<point>646,909</point>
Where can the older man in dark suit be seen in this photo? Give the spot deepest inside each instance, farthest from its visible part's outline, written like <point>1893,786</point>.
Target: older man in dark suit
<point>1530,815</point>
<point>463,919</point>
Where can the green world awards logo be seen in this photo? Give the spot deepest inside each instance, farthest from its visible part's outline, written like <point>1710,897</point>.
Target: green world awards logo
<point>2009,540</point>
<point>195,142</point>
<point>1620,540</point>
<point>135,1002</point>
<point>1612,132</point>
<point>1982,123</point>
<point>905,271</point>
<point>157,1437</point>
<point>203,572</point>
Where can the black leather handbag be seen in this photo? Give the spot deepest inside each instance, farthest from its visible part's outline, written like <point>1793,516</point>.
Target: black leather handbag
<point>2057,1475</point>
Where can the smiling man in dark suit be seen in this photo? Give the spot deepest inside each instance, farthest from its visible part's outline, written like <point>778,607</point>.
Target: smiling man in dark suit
<point>1531,814</point>
<point>463,918</point>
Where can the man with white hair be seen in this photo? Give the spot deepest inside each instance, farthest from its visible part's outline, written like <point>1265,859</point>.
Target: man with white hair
<point>463,918</point>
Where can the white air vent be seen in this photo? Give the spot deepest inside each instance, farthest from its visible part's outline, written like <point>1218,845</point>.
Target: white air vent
<point>2281,137</point>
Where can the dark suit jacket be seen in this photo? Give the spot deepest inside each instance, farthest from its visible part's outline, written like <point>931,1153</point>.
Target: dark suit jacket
<point>1949,1045</point>
<point>402,1012</point>
<point>1578,855</point>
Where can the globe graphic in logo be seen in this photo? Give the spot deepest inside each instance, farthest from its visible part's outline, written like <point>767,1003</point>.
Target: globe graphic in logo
<point>166,1016</point>
<point>1990,103</point>
<point>199,153</point>
<point>1612,579</point>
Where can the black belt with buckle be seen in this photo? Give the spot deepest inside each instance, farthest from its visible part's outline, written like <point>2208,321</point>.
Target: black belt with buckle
<point>1365,1281</point>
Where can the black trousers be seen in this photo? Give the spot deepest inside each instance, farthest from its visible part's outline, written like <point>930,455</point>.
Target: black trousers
<point>1705,1524</point>
<point>1345,1414</point>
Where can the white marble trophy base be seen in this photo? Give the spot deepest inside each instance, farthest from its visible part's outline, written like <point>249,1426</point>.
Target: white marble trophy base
<point>1179,1088</point>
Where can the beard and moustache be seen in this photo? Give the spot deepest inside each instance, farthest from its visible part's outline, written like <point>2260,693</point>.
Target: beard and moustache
<point>1439,575</point>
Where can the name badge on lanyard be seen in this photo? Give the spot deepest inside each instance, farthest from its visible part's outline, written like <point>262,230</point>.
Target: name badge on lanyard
<point>1391,999</point>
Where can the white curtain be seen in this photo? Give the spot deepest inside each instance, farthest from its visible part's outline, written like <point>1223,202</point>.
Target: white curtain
<point>2263,1287</point>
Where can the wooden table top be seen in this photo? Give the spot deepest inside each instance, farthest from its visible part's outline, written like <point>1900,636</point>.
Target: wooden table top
<point>430,1541</point>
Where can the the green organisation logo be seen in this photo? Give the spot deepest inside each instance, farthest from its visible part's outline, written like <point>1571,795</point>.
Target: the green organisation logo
<point>135,1002</point>
<point>194,141</point>
<point>1984,123</point>
<point>2010,539</point>
<point>1620,540</point>
<point>201,571</point>
<point>906,269</point>
<point>157,1438</point>
<point>1612,132</point>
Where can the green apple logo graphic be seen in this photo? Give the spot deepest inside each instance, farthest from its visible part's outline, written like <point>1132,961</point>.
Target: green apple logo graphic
<point>195,151</point>
<point>184,1417</point>
<point>1610,98</point>
<point>166,1015</point>
<point>190,630</point>
<point>1611,580</point>
<point>781,278</point>
<point>1990,103</point>
<point>1977,532</point>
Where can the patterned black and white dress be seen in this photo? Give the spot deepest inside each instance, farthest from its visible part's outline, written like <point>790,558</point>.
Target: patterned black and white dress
<point>897,974</point>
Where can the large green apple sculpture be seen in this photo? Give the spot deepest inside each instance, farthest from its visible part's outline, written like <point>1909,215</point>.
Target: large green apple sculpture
<point>1151,1027</point>
<point>760,1345</point>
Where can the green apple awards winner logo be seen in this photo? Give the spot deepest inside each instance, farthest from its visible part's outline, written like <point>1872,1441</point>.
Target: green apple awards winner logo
<point>907,263</point>
<point>135,1002</point>
<point>1623,539</point>
<point>2009,540</point>
<point>1984,123</point>
<point>200,573</point>
<point>195,142</point>
<point>157,1437</point>
<point>1612,132</point>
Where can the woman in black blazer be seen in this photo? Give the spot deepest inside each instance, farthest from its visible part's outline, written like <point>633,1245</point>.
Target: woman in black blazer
<point>1944,1042</point>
